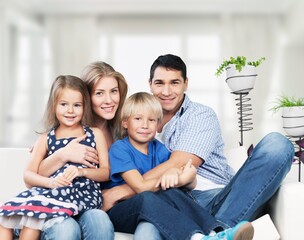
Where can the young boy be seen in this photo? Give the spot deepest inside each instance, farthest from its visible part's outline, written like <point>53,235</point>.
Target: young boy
<point>176,217</point>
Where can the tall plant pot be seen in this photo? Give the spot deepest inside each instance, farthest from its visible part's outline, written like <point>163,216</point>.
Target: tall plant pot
<point>293,120</point>
<point>243,81</point>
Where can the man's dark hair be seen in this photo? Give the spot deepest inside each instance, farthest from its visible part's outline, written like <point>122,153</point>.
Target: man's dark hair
<point>169,61</point>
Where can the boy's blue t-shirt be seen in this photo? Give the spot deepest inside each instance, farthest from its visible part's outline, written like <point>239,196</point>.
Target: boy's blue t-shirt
<point>124,157</point>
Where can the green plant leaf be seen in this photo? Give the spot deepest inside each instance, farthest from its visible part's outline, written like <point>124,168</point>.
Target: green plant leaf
<point>239,61</point>
<point>286,101</point>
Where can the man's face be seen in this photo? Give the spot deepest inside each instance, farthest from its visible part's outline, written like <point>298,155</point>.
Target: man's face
<point>168,86</point>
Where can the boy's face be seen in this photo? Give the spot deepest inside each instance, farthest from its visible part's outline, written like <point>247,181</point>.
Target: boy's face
<point>141,127</point>
<point>168,86</point>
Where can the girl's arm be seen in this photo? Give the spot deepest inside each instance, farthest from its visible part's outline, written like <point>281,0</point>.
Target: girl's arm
<point>31,176</point>
<point>72,152</point>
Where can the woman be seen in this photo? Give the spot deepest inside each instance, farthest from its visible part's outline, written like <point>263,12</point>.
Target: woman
<point>108,90</point>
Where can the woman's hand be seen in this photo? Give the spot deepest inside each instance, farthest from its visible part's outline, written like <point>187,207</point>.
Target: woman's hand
<point>80,153</point>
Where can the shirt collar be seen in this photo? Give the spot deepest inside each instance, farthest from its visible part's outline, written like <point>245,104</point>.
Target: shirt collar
<point>184,105</point>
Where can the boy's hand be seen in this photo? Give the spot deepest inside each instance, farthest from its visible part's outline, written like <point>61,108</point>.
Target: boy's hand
<point>188,176</point>
<point>169,179</point>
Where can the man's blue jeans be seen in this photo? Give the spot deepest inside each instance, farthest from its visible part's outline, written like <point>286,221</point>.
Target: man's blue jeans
<point>253,185</point>
<point>173,213</point>
<point>92,224</point>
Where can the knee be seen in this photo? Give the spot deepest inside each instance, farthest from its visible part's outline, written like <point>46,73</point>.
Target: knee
<point>146,230</point>
<point>68,229</point>
<point>96,224</point>
<point>278,147</point>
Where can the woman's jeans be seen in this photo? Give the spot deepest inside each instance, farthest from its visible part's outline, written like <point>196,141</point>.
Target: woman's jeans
<point>253,185</point>
<point>173,213</point>
<point>92,224</point>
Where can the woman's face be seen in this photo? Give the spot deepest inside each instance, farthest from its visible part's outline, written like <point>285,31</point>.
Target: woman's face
<point>105,98</point>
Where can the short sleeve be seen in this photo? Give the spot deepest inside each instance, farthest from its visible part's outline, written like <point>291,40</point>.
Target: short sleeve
<point>120,161</point>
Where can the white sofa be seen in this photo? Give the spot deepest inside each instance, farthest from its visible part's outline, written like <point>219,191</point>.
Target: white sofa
<point>286,208</point>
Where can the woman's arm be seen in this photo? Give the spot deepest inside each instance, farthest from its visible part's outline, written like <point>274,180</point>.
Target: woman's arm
<point>102,173</point>
<point>72,152</point>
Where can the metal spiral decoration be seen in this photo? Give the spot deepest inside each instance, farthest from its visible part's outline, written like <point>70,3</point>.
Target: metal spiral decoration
<point>298,143</point>
<point>244,108</point>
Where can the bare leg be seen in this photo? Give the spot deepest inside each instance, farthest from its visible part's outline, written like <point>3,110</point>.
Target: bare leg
<point>6,233</point>
<point>29,233</point>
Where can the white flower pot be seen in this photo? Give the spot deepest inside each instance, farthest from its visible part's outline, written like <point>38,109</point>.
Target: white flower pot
<point>293,121</point>
<point>243,81</point>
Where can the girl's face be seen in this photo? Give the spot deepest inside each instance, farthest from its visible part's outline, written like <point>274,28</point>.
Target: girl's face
<point>141,127</point>
<point>105,98</point>
<point>69,107</point>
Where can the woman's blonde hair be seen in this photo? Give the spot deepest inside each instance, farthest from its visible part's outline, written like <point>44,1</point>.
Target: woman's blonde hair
<point>62,82</point>
<point>138,103</point>
<point>92,74</point>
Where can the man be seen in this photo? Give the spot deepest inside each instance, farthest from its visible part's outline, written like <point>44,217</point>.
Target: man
<point>191,131</point>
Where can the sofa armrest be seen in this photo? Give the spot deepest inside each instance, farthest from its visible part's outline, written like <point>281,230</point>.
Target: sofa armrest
<point>287,208</point>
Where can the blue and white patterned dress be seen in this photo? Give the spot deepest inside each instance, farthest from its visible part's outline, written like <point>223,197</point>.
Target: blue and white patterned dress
<point>40,208</point>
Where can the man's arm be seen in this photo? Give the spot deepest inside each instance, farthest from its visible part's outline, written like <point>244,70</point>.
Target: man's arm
<point>177,160</point>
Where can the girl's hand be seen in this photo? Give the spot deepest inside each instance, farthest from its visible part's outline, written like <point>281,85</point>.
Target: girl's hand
<point>59,181</point>
<point>72,172</point>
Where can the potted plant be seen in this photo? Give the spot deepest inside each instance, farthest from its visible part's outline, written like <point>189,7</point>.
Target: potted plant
<point>240,74</point>
<point>292,114</point>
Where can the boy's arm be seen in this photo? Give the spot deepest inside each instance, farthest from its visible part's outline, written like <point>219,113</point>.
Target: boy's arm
<point>174,178</point>
<point>177,160</point>
<point>137,183</point>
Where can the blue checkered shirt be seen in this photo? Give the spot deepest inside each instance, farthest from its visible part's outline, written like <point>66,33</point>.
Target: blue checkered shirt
<point>195,129</point>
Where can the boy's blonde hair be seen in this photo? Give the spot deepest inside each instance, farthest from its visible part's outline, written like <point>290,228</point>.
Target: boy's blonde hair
<point>140,102</point>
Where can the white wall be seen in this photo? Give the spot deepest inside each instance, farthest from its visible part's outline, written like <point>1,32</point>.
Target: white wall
<point>75,40</point>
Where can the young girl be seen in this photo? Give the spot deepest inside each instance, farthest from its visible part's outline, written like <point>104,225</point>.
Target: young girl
<point>177,217</point>
<point>108,89</point>
<point>73,188</point>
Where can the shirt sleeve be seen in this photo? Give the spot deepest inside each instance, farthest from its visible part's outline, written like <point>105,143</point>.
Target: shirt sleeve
<point>120,161</point>
<point>199,133</point>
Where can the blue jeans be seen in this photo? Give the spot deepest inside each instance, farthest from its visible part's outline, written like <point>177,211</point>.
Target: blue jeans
<point>172,212</point>
<point>93,224</point>
<point>253,185</point>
